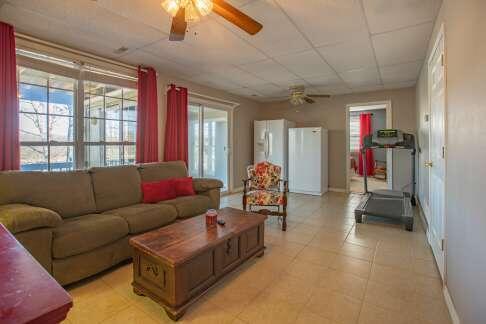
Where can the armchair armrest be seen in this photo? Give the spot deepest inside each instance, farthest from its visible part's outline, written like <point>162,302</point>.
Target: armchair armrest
<point>205,184</point>
<point>20,217</point>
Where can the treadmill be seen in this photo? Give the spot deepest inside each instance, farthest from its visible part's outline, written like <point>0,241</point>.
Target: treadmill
<point>392,204</point>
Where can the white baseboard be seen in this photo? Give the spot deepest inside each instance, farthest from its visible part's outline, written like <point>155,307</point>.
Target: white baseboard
<point>336,189</point>
<point>450,305</point>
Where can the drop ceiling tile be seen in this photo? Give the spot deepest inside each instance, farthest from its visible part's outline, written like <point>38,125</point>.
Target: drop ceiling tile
<point>291,83</point>
<point>278,35</point>
<point>305,64</point>
<point>401,72</point>
<point>361,77</point>
<point>400,85</point>
<point>246,92</point>
<point>354,54</point>
<point>215,81</point>
<point>386,15</point>
<point>367,88</point>
<point>327,22</point>
<point>404,45</point>
<point>269,70</point>
<point>324,80</point>
<point>330,90</point>
<point>236,75</point>
<point>271,90</point>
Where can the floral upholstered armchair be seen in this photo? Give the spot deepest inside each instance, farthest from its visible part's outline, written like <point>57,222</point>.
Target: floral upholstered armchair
<point>264,188</point>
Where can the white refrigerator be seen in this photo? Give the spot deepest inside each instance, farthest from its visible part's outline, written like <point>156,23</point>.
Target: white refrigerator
<point>308,160</point>
<point>271,142</point>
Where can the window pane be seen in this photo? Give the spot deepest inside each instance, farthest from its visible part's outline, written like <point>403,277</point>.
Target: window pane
<point>94,88</point>
<point>94,156</point>
<point>33,127</point>
<point>61,128</point>
<point>93,106</point>
<point>113,91</point>
<point>112,131</point>
<point>94,130</point>
<point>130,94</point>
<point>62,158</point>
<point>113,155</point>
<point>113,108</point>
<point>129,156</point>
<point>27,75</point>
<point>60,82</point>
<point>129,131</point>
<point>194,141</point>
<point>129,110</point>
<point>33,98</point>
<point>61,102</point>
<point>33,158</point>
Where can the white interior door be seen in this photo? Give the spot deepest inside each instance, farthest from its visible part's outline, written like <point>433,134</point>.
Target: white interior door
<point>436,161</point>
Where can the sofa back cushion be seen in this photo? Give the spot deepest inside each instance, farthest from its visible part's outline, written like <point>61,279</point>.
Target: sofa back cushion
<point>116,187</point>
<point>151,172</point>
<point>69,193</point>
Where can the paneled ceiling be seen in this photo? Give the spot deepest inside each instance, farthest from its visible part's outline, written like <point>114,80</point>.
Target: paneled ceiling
<point>330,46</point>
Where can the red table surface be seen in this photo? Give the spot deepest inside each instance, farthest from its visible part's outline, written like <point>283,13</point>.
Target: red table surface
<point>28,293</point>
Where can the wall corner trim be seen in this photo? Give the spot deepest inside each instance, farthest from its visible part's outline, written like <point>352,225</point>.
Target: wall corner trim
<point>450,306</point>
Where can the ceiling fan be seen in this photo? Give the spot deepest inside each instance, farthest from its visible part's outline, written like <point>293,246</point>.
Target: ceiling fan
<point>299,97</point>
<point>185,11</point>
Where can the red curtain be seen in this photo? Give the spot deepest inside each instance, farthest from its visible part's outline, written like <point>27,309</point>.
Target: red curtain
<point>147,116</point>
<point>9,105</point>
<point>365,129</point>
<point>176,142</point>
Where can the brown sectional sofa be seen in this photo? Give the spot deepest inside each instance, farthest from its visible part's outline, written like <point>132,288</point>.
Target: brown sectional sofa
<point>78,223</point>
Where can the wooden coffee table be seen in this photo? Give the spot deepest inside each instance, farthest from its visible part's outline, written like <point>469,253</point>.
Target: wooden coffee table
<point>177,264</point>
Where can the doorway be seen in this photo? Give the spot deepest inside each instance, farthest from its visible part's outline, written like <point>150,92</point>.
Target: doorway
<point>208,138</point>
<point>437,150</point>
<point>368,117</point>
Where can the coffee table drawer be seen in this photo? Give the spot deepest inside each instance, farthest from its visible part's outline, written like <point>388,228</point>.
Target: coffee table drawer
<point>253,239</point>
<point>229,252</point>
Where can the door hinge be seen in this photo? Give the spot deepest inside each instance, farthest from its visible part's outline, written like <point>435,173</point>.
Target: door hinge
<point>443,152</point>
<point>442,59</point>
<point>442,243</point>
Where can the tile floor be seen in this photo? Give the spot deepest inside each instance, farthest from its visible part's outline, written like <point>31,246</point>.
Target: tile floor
<point>324,269</point>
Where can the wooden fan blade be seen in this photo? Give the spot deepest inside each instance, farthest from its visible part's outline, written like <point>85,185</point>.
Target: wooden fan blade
<point>308,100</point>
<point>319,95</point>
<point>236,17</point>
<point>179,26</point>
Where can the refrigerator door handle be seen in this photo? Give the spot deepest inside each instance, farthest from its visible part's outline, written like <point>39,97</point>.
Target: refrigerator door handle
<point>266,145</point>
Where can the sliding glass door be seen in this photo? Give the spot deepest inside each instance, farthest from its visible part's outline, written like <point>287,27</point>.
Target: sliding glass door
<point>208,143</point>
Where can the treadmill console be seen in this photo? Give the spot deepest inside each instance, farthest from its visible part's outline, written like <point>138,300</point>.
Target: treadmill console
<point>389,138</point>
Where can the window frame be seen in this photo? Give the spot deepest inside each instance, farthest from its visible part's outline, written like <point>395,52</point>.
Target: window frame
<point>80,75</point>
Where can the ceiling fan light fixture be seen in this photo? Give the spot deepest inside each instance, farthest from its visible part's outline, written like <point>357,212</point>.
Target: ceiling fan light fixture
<point>171,6</point>
<point>192,14</point>
<point>204,6</point>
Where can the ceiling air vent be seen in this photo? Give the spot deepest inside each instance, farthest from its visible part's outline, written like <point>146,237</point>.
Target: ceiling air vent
<point>121,50</point>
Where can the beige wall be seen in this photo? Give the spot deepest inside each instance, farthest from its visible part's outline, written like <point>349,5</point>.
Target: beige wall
<point>465,212</point>
<point>243,116</point>
<point>331,114</point>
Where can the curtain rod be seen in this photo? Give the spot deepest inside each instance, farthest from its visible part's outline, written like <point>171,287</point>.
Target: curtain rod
<point>75,51</point>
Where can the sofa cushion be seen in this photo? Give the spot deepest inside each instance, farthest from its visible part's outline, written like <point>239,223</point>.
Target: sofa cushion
<point>205,184</point>
<point>183,186</point>
<point>145,217</point>
<point>19,217</point>
<point>189,206</point>
<point>157,191</point>
<point>162,170</point>
<point>85,233</point>
<point>116,187</point>
<point>69,193</point>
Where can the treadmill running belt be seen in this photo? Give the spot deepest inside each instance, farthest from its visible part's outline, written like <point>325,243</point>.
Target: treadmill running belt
<point>385,207</point>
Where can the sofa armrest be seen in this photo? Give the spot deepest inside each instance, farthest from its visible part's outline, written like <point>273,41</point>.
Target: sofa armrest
<point>20,217</point>
<point>205,184</point>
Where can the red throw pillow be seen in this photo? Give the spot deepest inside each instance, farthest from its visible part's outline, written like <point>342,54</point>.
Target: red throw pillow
<point>183,186</point>
<point>158,191</point>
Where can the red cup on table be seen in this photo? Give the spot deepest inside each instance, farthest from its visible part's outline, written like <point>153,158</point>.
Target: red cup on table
<point>211,217</point>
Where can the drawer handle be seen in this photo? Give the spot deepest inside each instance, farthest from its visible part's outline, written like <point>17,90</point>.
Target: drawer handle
<point>153,269</point>
<point>228,247</point>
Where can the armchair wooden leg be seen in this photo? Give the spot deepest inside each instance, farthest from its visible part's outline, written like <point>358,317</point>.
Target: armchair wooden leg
<point>284,220</point>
